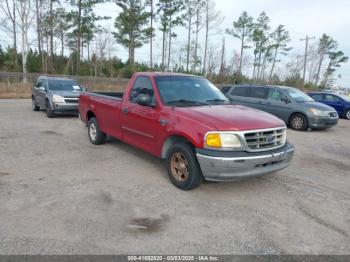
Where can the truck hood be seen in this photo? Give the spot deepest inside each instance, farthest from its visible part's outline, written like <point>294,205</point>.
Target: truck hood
<point>231,117</point>
<point>65,93</point>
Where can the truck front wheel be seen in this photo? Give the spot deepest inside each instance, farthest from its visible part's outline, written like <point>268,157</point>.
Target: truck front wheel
<point>96,136</point>
<point>182,166</point>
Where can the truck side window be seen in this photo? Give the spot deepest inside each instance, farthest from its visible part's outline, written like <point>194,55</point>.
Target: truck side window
<point>142,85</point>
<point>240,91</point>
<point>259,92</point>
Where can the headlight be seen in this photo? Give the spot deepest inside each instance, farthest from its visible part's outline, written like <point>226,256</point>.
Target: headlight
<point>222,141</point>
<point>317,112</point>
<point>57,99</point>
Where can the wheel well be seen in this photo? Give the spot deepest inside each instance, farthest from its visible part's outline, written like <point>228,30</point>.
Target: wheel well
<point>170,141</point>
<point>89,114</point>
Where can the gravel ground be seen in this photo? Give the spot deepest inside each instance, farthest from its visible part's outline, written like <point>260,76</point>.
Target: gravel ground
<point>59,194</point>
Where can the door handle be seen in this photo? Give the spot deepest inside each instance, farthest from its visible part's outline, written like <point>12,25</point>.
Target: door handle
<point>163,122</point>
<point>125,111</point>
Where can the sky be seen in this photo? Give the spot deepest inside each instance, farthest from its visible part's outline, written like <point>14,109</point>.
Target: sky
<point>301,18</point>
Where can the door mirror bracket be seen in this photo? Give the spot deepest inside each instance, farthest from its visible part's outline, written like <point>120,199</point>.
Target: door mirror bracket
<point>144,100</point>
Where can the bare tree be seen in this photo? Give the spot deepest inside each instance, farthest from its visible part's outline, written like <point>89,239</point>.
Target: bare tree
<point>295,66</point>
<point>190,11</point>
<point>312,62</point>
<point>26,17</point>
<point>9,9</point>
<point>213,20</point>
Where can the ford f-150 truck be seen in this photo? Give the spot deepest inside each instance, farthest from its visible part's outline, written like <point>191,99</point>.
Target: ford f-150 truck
<point>188,122</point>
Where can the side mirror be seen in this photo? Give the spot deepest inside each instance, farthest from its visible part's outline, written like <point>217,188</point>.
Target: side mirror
<point>144,100</point>
<point>285,100</point>
<point>41,88</point>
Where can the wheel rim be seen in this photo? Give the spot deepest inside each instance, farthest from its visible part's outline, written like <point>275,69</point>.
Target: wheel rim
<point>298,122</point>
<point>92,131</point>
<point>33,104</point>
<point>179,166</point>
<point>348,115</point>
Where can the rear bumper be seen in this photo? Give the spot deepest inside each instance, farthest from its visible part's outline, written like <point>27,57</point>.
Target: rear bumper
<point>65,108</point>
<point>322,122</point>
<point>231,166</point>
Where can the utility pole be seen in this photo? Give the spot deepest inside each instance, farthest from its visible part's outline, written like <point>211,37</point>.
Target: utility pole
<point>306,39</point>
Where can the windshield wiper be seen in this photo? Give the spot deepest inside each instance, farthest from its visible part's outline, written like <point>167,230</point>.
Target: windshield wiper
<point>218,100</point>
<point>184,101</point>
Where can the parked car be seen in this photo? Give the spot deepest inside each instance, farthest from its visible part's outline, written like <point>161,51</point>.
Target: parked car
<point>56,95</point>
<point>188,122</point>
<point>295,108</point>
<point>341,103</point>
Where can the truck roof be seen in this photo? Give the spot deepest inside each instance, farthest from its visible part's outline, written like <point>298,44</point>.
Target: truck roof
<point>164,74</point>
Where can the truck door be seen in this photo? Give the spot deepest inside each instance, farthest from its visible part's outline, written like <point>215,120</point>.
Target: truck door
<point>139,123</point>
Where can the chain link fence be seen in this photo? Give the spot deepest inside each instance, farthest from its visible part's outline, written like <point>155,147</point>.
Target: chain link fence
<point>12,84</point>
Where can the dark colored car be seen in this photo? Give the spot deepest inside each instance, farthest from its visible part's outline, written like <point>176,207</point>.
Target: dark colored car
<point>293,106</point>
<point>56,95</point>
<point>340,103</point>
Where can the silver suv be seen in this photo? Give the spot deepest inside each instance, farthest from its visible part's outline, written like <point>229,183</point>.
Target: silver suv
<point>56,95</point>
<point>295,108</point>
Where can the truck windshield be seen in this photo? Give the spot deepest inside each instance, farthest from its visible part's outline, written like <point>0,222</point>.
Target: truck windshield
<point>64,85</point>
<point>298,96</point>
<point>189,91</point>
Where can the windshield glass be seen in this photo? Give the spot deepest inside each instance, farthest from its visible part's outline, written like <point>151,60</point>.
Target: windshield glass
<point>346,98</point>
<point>298,96</point>
<point>188,91</point>
<point>64,85</point>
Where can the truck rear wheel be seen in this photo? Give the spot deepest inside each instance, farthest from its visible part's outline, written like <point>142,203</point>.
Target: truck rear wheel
<point>182,166</point>
<point>96,136</point>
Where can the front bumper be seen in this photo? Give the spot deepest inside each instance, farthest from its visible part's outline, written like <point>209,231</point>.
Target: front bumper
<point>231,166</point>
<point>65,108</point>
<point>321,122</point>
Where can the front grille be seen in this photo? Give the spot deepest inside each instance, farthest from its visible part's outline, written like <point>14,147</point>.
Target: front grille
<point>71,100</point>
<point>333,114</point>
<point>265,139</point>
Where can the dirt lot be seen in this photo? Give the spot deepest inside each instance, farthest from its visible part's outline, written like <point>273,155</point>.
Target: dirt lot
<point>61,195</point>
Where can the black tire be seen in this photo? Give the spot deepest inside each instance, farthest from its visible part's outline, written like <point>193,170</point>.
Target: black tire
<point>193,177</point>
<point>298,122</point>
<point>96,136</point>
<point>34,106</point>
<point>347,114</point>
<point>49,112</point>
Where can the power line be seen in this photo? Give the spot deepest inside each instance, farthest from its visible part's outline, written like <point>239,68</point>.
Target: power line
<point>306,39</point>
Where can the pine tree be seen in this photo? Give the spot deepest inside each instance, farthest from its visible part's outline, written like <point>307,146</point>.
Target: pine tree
<point>130,25</point>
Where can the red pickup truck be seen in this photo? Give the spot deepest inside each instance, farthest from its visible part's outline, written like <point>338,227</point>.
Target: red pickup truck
<point>188,122</point>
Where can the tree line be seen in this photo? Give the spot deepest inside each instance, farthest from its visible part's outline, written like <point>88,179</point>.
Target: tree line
<point>66,37</point>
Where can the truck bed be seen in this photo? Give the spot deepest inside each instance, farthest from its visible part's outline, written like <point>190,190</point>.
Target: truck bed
<point>108,94</point>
